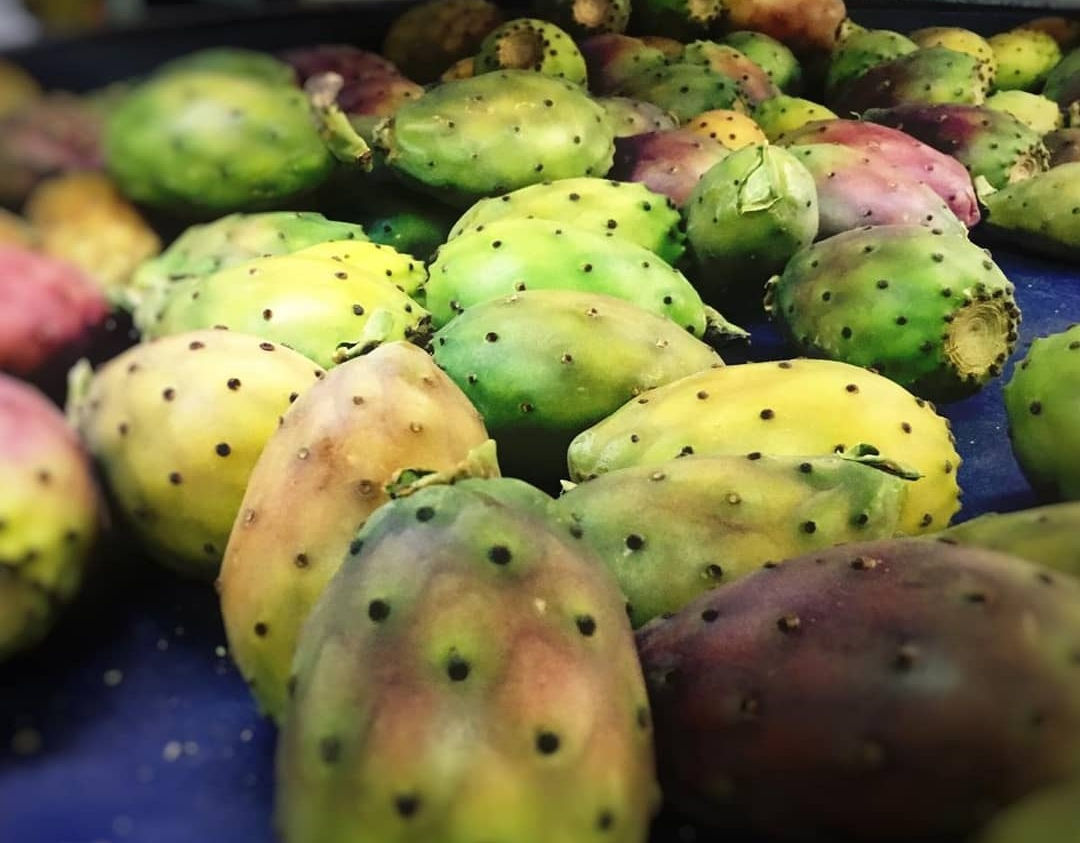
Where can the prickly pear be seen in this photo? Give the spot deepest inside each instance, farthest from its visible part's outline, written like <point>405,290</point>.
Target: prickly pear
<point>679,19</point>
<point>611,59</point>
<point>1025,58</point>
<point>631,117</point>
<point>669,162</point>
<point>1048,535</point>
<point>582,18</point>
<point>531,44</point>
<point>860,52</point>
<point>685,89</point>
<point>778,62</point>
<point>1038,213</point>
<point>750,78</point>
<point>784,114</point>
<point>1038,113</point>
<point>807,27</point>
<point>426,39</point>
<point>961,40</point>
<point>731,128</point>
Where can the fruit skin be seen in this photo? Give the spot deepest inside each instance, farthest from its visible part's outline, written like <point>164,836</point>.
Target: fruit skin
<point>55,134</point>
<point>931,654</point>
<point>351,63</point>
<point>1048,816</point>
<point>1042,399</point>
<point>582,18</point>
<point>807,28</point>
<point>52,514</point>
<point>930,311</point>
<point>778,62</point>
<point>745,219</point>
<point>989,143</point>
<point>206,142</point>
<point>731,128</point>
<point>537,389</point>
<point>1063,83</point>
<point>317,306</point>
<point>942,173</point>
<point>685,89</point>
<point>1036,112</point>
<point>785,114</point>
<point>426,39</point>
<point>631,117</point>
<point>672,531</point>
<point>206,248</point>
<point>790,407</point>
<point>367,420</point>
<point>669,162</point>
<point>216,397</point>
<point>1063,146</point>
<point>752,81</point>
<point>235,61</point>
<point>423,724</point>
<point>531,44</point>
<point>932,75</point>
<point>858,187</point>
<point>509,139</point>
<point>961,40</point>
<point>1037,214</point>
<point>859,53</point>
<point>607,208</point>
<point>83,219</point>
<point>682,20</point>
<point>50,312</point>
<point>1025,58</point>
<point>611,59</point>
<point>537,254</point>
<point>1047,535</point>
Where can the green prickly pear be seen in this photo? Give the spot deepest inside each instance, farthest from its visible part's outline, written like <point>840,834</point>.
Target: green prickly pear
<point>470,669</point>
<point>531,44</point>
<point>788,407</point>
<point>784,114</point>
<point>536,389</point>
<point>215,397</point>
<point>680,19</point>
<point>1063,83</point>
<point>1048,535</point>
<point>1042,400</point>
<point>747,216</point>
<point>318,479</point>
<point>1038,113</point>
<point>498,258</point>
<point>1040,213</point>
<point>961,40</point>
<point>685,89</point>
<point>317,306</point>
<point>235,61</point>
<point>672,531</point>
<point>928,310</point>
<point>50,515</point>
<point>608,208</point>
<point>860,52</point>
<point>1049,816</point>
<point>582,18</point>
<point>812,699</point>
<point>497,132</point>
<point>774,57</point>
<point>751,79</point>
<point>1025,58</point>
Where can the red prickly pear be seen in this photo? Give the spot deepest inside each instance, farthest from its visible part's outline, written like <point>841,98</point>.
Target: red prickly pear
<point>671,162</point>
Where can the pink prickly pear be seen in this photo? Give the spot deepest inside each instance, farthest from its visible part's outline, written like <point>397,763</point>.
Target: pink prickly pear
<point>670,162</point>
<point>940,172</point>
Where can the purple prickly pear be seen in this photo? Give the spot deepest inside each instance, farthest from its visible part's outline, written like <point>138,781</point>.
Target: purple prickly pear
<point>670,162</point>
<point>352,64</point>
<point>685,89</point>
<point>989,143</point>
<point>50,511</point>
<point>859,187</point>
<point>1063,146</point>
<point>470,675</point>
<point>940,172</point>
<point>904,679</point>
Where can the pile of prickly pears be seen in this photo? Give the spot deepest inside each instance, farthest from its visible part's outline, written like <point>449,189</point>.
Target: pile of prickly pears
<point>422,364</point>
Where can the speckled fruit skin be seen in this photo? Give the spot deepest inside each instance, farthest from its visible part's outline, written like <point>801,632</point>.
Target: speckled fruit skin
<point>610,209</point>
<point>919,162</point>
<point>745,219</point>
<point>807,28</point>
<point>778,62</point>
<point>860,52</point>
<point>318,479</point>
<point>1042,400</point>
<point>930,311</point>
<point>49,311</point>
<point>961,40</point>
<point>930,76</point>
<point>631,117</point>
<point>470,670</point>
<point>669,162</point>
<point>784,114</point>
<point>1038,113</point>
<point>1047,535</point>
<point>1025,58</point>
<point>582,18</point>
<point>1049,816</point>
<point>208,142</point>
<point>938,652</point>
<point>1040,213</point>
<point>611,59</point>
<point>537,254</point>
<point>542,365</point>
<point>789,407</point>
<point>318,306</point>
<point>51,512</point>
<point>1063,83</point>
<point>497,132</point>
<point>531,44</point>
<point>208,247</point>
<point>683,20</point>
<point>215,397</point>
<point>426,39</point>
<point>989,143</point>
<point>1063,146</point>
<point>684,89</point>
<point>672,531</point>
<point>750,78</point>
